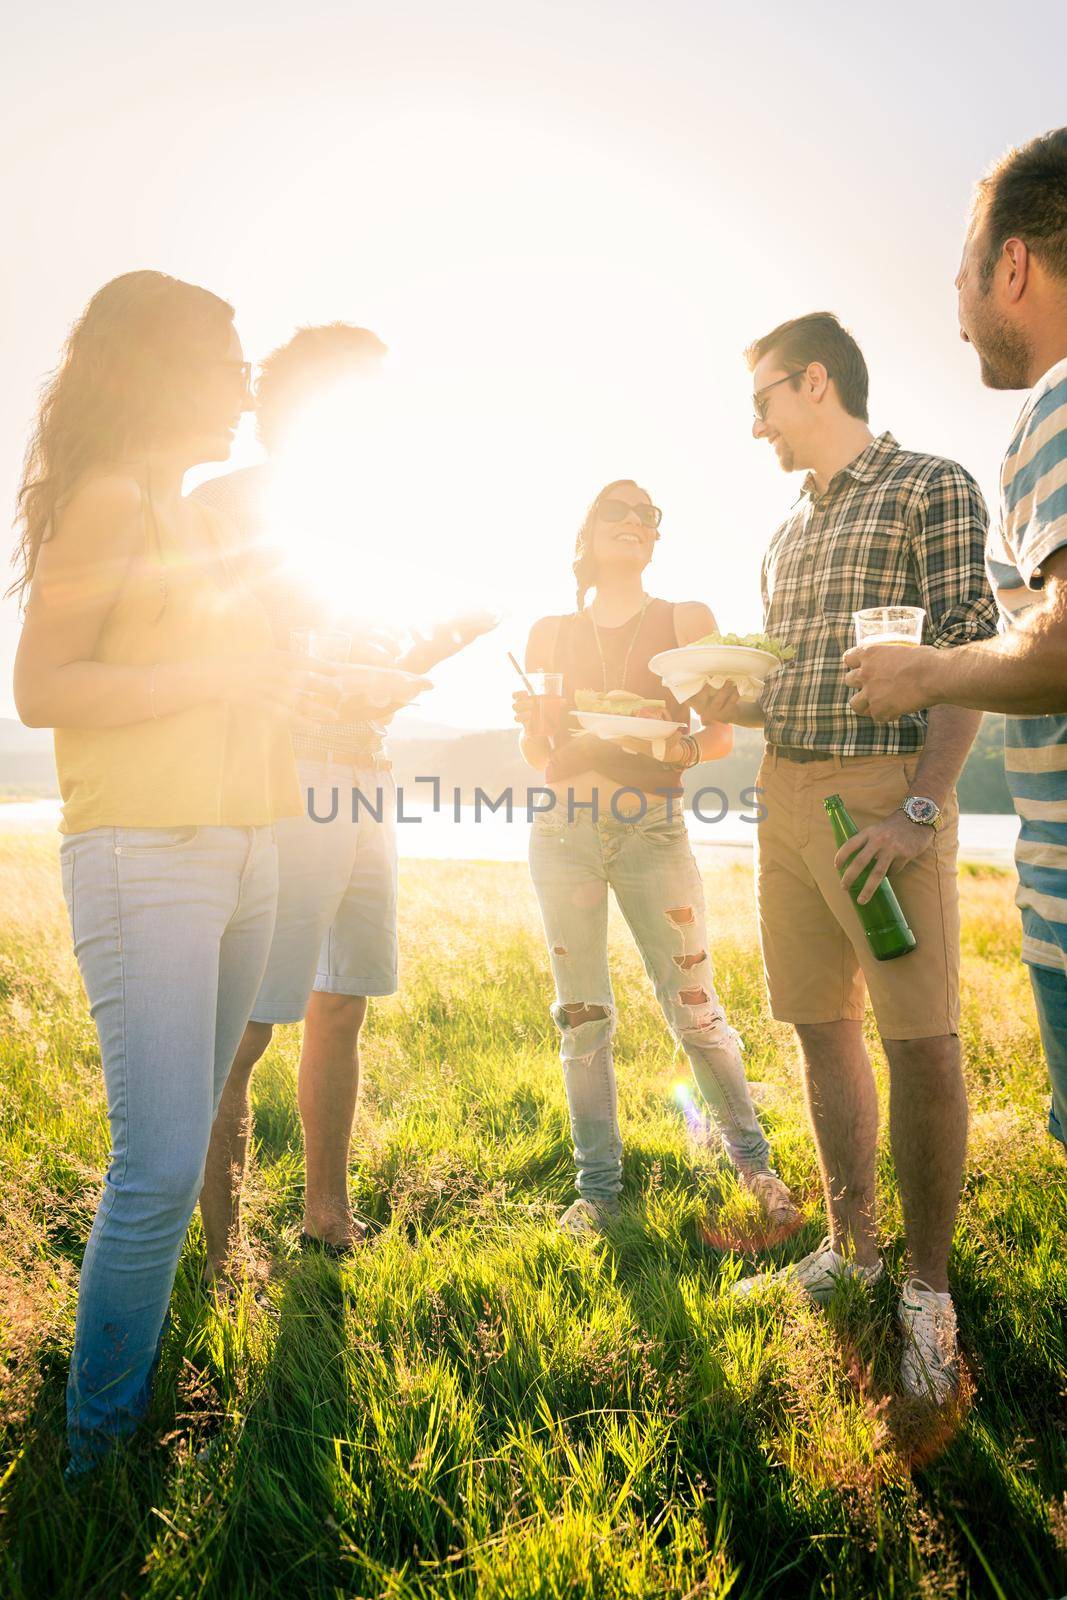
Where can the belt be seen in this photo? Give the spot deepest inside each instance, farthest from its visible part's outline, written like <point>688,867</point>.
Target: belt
<point>366,760</point>
<point>790,752</point>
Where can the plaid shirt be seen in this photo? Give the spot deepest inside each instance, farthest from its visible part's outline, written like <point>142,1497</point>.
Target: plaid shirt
<point>893,528</point>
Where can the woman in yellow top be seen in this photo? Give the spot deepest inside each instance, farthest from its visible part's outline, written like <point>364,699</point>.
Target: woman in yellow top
<point>154,664</point>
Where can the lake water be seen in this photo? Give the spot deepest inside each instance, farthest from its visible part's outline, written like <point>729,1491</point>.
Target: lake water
<point>983,838</point>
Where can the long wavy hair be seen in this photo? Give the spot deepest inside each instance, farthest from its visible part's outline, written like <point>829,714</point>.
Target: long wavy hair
<point>584,567</point>
<point>127,379</point>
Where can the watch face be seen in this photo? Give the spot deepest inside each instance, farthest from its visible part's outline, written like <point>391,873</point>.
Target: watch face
<point>920,810</point>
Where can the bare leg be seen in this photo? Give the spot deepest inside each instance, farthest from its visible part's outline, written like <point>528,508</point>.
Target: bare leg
<point>327,1091</point>
<point>843,1106</point>
<point>220,1198</point>
<point>928,1130</point>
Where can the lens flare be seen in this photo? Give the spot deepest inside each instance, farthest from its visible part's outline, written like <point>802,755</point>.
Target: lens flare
<point>360,517</point>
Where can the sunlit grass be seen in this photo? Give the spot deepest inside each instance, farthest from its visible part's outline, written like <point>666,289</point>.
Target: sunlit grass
<point>477,1405</point>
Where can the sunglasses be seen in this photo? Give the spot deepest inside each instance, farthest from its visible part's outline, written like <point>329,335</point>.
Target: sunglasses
<point>619,510</point>
<point>240,369</point>
<point>759,399</point>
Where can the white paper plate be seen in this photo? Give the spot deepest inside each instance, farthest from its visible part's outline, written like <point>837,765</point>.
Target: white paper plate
<point>385,686</point>
<point>606,725</point>
<point>714,661</point>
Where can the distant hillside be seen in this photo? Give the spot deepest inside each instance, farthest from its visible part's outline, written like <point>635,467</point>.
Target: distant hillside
<point>15,737</point>
<point>982,785</point>
<point>27,770</point>
<point>491,761</point>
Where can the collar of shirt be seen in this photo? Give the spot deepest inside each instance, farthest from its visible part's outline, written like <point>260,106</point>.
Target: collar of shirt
<point>1048,380</point>
<point>864,468</point>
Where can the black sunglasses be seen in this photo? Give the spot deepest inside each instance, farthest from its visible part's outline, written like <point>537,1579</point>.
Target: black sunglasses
<point>241,369</point>
<point>759,399</point>
<point>619,510</point>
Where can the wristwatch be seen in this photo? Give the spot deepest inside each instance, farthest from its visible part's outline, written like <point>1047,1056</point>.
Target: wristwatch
<point>927,813</point>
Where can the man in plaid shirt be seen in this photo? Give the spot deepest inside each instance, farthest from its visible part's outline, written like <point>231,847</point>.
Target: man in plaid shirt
<point>874,525</point>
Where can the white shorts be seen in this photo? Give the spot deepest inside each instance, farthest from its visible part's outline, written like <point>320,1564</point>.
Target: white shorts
<point>336,926</point>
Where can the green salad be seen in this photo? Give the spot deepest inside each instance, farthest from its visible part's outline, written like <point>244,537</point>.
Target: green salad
<point>618,702</point>
<point>750,641</point>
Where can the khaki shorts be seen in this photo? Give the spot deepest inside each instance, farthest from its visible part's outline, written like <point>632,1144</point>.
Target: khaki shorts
<point>814,949</point>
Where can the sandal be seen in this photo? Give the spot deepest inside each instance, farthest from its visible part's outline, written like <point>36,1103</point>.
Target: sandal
<point>337,1252</point>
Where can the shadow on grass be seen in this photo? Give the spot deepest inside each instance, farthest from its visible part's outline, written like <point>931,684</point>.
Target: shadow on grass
<point>277,1468</point>
<point>85,1540</point>
<point>804,1513</point>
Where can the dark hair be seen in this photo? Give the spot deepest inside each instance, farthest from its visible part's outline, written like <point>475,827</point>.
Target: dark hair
<point>819,337</point>
<point>312,357</point>
<point>1024,196</point>
<point>584,567</point>
<point>128,376</point>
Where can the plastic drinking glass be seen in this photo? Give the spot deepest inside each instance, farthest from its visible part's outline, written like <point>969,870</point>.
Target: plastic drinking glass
<point>890,624</point>
<point>321,644</point>
<point>548,702</point>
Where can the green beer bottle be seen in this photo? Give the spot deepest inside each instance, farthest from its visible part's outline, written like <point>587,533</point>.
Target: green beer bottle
<point>883,921</point>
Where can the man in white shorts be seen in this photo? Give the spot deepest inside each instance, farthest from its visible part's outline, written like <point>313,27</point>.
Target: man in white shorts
<point>335,940</point>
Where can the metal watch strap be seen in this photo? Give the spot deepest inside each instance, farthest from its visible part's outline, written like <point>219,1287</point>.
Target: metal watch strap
<point>936,822</point>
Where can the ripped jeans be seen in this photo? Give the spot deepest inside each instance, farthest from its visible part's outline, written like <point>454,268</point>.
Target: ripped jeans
<point>649,864</point>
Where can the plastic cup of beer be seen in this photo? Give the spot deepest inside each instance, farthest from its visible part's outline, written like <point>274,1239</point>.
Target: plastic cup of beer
<point>890,625</point>
<point>548,703</point>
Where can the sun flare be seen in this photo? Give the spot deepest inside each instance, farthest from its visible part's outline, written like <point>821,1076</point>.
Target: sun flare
<point>358,516</point>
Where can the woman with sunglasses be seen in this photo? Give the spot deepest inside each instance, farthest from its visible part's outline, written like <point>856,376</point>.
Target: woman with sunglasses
<point>635,843</point>
<point>145,651</point>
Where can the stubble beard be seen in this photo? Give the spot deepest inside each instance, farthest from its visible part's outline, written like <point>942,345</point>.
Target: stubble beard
<point>1004,355</point>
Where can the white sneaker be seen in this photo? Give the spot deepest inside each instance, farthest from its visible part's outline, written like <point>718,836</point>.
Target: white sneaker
<point>929,1367</point>
<point>817,1274</point>
<point>585,1219</point>
<point>773,1196</point>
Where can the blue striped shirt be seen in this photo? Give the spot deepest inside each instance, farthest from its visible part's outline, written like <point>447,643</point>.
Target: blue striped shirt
<point>1033,525</point>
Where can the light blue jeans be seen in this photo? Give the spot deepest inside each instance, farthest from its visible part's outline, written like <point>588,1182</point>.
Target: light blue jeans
<point>650,866</point>
<point>171,930</point>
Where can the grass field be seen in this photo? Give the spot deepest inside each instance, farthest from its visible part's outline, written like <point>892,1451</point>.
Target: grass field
<point>478,1406</point>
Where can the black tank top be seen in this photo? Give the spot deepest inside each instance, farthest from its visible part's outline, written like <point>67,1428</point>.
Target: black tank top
<point>626,654</point>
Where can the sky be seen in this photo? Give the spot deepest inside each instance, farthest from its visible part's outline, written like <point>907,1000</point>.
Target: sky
<point>566,222</point>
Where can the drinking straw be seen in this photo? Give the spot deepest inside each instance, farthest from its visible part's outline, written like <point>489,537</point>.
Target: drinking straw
<point>522,675</point>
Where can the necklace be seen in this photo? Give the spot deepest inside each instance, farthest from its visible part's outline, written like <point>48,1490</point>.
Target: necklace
<point>629,652</point>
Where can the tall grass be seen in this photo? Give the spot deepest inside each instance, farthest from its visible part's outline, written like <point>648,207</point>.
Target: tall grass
<point>478,1406</point>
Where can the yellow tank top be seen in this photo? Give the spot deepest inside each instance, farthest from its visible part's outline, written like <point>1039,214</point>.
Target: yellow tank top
<point>213,764</point>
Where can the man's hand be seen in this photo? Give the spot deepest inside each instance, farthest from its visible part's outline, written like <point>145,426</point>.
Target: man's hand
<point>716,705</point>
<point>447,639</point>
<point>893,842</point>
<point>372,695</point>
<point>891,679</point>
<point>287,684</point>
<point>373,651</point>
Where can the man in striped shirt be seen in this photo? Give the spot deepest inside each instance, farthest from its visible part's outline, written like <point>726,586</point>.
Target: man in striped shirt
<point>1012,288</point>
